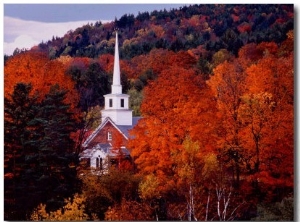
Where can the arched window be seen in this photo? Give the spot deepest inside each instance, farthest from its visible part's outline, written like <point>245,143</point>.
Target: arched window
<point>101,164</point>
<point>97,162</point>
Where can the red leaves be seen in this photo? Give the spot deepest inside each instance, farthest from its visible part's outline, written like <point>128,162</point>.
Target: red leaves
<point>244,27</point>
<point>37,69</point>
<point>178,104</point>
<point>255,102</point>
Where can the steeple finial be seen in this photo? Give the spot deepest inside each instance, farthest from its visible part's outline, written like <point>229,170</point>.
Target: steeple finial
<point>116,86</point>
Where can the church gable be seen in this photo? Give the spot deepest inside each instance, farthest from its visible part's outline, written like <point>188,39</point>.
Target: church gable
<point>107,143</point>
<point>107,134</point>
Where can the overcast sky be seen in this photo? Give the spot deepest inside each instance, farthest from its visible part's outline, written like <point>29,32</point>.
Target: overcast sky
<point>26,25</point>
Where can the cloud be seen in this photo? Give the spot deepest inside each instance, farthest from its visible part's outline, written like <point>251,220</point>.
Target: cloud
<point>26,34</point>
<point>21,42</point>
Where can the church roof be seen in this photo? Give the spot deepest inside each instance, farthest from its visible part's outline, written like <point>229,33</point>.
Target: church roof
<point>116,110</point>
<point>125,129</point>
<point>122,129</point>
<point>106,148</point>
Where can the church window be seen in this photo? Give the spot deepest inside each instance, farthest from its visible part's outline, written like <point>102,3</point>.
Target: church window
<point>110,102</point>
<point>97,162</point>
<point>122,102</point>
<point>109,136</point>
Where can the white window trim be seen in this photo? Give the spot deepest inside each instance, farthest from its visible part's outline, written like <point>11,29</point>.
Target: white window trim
<point>109,136</point>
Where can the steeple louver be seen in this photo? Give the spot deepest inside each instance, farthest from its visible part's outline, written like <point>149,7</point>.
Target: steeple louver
<point>116,103</point>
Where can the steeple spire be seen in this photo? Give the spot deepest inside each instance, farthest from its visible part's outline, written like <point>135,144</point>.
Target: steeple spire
<point>116,103</point>
<point>116,87</point>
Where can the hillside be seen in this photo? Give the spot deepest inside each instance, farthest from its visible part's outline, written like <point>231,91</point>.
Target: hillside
<point>213,27</point>
<point>208,33</point>
<point>215,87</point>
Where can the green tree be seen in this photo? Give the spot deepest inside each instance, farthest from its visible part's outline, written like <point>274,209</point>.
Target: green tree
<point>283,211</point>
<point>91,82</point>
<point>55,162</point>
<point>135,101</point>
<point>19,109</point>
<point>39,159</point>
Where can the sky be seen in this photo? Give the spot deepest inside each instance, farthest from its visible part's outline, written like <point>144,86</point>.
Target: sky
<point>26,25</point>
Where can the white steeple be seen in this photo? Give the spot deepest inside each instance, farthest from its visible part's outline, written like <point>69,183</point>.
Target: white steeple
<point>116,103</point>
<point>116,87</point>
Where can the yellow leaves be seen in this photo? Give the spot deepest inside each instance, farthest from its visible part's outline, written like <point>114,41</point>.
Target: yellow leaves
<point>210,165</point>
<point>65,59</point>
<point>221,56</point>
<point>74,209</point>
<point>39,213</point>
<point>148,188</point>
<point>263,100</point>
<point>187,160</point>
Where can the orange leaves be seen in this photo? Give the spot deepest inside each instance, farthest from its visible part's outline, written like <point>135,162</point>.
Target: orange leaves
<point>277,80</point>
<point>158,30</point>
<point>274,75</point>
<point>36,68</point>
<point>228,84</point>
<point>176,105</point>
<point>160,59</point>
<point>129,211</point>
<point>255,103</point>
<point>107,62</point>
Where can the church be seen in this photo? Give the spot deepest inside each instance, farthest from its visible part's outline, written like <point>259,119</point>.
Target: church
<point>106,146</point>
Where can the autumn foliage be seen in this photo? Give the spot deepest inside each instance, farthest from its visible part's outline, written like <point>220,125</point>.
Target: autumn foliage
<point>216,141</point>
<point>242,120</point>
<point>42,73</point>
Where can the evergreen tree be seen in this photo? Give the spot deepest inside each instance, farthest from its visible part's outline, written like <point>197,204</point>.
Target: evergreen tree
<point>18,111</point>
<point>55,170</point>
<point>39,158</point>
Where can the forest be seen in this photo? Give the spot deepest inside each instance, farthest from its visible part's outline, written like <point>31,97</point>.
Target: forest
<point>215,87</point>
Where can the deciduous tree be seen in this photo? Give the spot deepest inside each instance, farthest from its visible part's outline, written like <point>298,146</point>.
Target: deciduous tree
<point>35,68</point>
<point>176,105</point>
<point>228,84</point>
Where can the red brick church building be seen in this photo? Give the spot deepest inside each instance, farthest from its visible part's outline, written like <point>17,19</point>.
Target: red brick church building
<point>107,144</point>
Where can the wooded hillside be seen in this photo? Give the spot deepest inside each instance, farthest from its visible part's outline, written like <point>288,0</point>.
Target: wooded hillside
<point>215,87</point>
